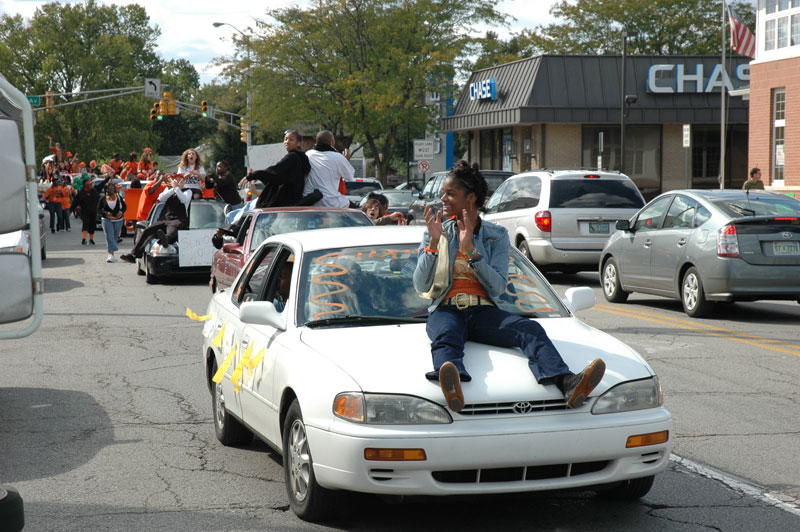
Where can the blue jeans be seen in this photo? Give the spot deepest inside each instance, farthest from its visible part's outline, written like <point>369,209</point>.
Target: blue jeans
<point>55,214</point>
<point>449,329</point>
<point>229,208</point>
<point>112,228</point>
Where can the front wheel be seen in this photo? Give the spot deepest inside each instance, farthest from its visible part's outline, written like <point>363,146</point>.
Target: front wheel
<point>629,490</point>
<point>229,430</point>
<point>149,278</point>
<point>612,287</point>
<point>693,296</point>
<point>307,499</point>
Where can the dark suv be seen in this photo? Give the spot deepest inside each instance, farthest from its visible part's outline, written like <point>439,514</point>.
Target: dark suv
<point>432,193</point>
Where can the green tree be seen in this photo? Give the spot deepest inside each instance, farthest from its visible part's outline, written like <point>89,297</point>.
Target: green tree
<point>663,27</point>
<point>68,48</point>
<point>359,68</point>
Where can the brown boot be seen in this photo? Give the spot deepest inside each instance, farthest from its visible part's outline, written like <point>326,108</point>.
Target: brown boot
<point>450,381</point>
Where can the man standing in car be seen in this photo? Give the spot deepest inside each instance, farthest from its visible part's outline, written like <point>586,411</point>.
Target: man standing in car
<point>328,167</point>
<point>284,180</point>
<point>224,186</point>
<point>754,183</point>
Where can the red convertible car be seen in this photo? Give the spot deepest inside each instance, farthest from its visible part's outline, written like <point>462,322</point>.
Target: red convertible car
<point>260,224</point>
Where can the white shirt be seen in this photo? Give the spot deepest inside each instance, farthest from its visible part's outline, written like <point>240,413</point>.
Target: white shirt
<point>327,167</point>
<point>184,195</point>
<point>192,181</point>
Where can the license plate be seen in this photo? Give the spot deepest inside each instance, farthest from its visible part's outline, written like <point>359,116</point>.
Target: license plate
<point>786,248</point>
<point>598,227</point>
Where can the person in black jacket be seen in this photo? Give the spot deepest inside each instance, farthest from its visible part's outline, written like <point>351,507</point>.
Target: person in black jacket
<point>284,181</point>
<point>224,186</point>
<point>85,204</point>
<point>174,217</point>
<point>111,208</point>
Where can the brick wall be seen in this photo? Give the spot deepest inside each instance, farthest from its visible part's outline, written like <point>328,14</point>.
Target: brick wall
<point>764,78</point>
<point>562,145</point>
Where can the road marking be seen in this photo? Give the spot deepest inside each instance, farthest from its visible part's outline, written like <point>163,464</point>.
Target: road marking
<point>711,330</point>
<point>772,499</point>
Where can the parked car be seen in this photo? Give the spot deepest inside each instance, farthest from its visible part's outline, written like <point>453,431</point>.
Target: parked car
<point>260,224</point>
<point>330,370</point>
<point>206,215</point>
<point>432,193</point>
<point>560,219</point>
<point>399,200</point>
<point>702,246</point>
<point>361,187</point>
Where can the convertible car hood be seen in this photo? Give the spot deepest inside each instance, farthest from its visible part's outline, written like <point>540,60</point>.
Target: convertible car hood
<point>395,358</point>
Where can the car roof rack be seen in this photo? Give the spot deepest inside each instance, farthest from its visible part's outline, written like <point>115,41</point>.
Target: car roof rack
<point>573,168</point>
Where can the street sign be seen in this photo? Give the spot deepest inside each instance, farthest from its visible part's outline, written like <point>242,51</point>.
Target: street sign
<point>423,149</point>
<point>34,101</point>
<point>424,166</point>
<point>687,135</point>
<point>152,88</point>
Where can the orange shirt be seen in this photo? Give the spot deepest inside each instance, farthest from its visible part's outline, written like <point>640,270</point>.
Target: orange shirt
<point>146,167</point>
<point>116,165</point>
<point>464,279</point>
<point>57,194</point>
<point>147,201</point>
<point>129,168</point>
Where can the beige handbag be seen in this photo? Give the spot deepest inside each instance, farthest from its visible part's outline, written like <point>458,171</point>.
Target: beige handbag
<point>441,278</point>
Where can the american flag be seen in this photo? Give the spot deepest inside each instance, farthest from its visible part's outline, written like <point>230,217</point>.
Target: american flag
<point>742,40</point>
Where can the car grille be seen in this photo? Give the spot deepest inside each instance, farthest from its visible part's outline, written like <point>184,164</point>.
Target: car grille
<point>513,407</point>
<point>520,473</point>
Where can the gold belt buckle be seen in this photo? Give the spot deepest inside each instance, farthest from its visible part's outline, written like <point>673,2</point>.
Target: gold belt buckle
<point>462,301</point>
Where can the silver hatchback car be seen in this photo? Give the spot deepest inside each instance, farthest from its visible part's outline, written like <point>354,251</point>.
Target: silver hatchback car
<point>702,246</point>
<point>560,219</point>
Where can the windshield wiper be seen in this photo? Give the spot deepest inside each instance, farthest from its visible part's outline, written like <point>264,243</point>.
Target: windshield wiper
<point>741,210</point>
<point>362,320</point>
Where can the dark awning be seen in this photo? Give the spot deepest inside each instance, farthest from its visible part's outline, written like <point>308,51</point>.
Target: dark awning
<point>586,89</point>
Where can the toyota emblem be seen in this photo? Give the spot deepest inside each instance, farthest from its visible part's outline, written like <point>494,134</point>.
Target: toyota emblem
<point>787,235</point>
<point>523,407</point>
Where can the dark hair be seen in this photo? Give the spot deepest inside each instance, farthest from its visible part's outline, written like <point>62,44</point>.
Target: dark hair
<point>754,171</point>
<point>471,179</point>
<point>383,200</point>
<point>225,164</point>
<point>111,186</point>
<point>296,134</point>
<point>132,157</point>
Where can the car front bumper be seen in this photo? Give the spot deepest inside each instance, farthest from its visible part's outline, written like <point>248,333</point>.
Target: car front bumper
<point>168,266</point>
<point>545,454</point>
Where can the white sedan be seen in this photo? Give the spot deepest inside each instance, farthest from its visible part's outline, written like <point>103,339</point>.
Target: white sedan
<point>319,348</point>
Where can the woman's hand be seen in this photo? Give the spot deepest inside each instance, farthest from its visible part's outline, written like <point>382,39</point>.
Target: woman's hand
<point>466,228</point>
<point>434,224</point>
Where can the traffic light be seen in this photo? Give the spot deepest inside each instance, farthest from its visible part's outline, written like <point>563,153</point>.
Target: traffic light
<point>243,134</point>
<point>162,109</point>
<point>154,111</point>
<point>204,108</point>
<point>49,102</point>
<point>172,108</point>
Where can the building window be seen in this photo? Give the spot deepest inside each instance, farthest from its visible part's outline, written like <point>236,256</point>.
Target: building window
<point>783,32</point>
<point>496,149</point>
<point>795,30</point>
<point>642,152</point>
<point>769,35</point>
<point>778,129</point>
<point>705,155</point>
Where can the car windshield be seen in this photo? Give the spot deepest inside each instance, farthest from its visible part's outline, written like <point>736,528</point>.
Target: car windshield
<point>755,204</point>
<point>275,223</point>
<point>354,285</point>
<point>594,194</point>
<point>206,215</point>
<point>360,188</point>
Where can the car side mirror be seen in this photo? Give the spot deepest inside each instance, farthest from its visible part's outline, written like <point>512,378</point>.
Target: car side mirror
<point>232,247</point>
<point>623,225</point>
<point>262,313</point>
<point>579,298</point>
<point>141,225</point>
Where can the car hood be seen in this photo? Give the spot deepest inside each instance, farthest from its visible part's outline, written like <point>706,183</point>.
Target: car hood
<point>395,358</point>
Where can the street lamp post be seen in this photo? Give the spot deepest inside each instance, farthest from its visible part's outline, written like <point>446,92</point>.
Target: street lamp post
<point>624,100</point>
<point>249,81</point>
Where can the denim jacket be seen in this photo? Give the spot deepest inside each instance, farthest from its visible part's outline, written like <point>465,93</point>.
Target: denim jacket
<point>492,246</point>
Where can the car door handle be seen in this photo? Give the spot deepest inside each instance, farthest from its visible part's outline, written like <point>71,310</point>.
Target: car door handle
<point>682,242</point>
<point>245,340</point>
<point>648,243</point>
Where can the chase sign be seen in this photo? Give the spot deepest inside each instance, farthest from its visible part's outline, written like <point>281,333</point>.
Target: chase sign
<point>672,78</point>
<point>483,90</point>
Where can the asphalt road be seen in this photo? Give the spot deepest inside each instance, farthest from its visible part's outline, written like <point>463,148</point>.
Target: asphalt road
<point>105,422</point>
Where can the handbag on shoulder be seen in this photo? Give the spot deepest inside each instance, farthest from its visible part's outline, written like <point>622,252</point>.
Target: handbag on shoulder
<point>441,277</point>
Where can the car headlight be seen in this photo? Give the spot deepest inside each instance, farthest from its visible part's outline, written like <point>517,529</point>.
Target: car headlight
<point>158,250</point>
<point>383,409</point>
<point>628,396</point>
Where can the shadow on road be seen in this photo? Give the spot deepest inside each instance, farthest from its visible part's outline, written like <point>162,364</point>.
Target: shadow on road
<point>53,285</point>
<point>62,262</point>
<point>45,433</point>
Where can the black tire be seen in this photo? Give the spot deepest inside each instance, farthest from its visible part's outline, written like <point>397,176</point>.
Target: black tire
<point>610,283</point>
<point>522,246</point>
<point>629,490</point>
<point>12,512</point>
<point>44,253</point>
<point>229,430</point>
<point>693,296</point>
<point>139,270</point>
<point>149,278</point>
<point>307,499</point>
<point>213,285</point>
